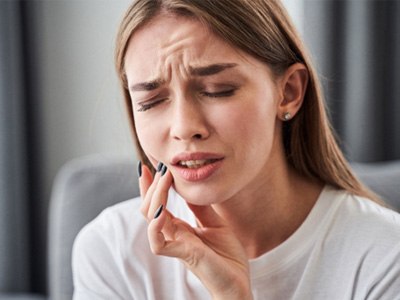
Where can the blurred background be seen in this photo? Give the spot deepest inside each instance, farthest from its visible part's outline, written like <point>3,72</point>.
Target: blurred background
<point>59,99</point>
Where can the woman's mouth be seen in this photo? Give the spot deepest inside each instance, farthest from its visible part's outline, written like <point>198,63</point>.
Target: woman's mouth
<point>196,166</point>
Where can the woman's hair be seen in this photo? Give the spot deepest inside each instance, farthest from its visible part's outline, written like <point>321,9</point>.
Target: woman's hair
<point>262,29</point>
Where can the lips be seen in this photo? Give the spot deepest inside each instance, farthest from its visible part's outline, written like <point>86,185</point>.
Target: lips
<point>193,158</point>
<point>196,166</point>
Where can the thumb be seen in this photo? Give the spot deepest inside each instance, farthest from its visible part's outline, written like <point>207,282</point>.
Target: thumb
<point>182,242</point>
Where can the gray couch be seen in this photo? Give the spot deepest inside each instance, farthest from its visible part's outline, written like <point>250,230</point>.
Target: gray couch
<point>86,186</point>
<point>82,189</point>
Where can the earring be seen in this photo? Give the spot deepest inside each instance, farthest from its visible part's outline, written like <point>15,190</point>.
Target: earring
<point>287,116</point>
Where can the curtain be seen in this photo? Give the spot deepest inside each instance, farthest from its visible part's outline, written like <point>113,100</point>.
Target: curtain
<point>356,46</point>
<point>14,194</point>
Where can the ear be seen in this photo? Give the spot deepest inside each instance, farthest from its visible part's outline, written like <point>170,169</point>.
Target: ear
<point>293,86</point>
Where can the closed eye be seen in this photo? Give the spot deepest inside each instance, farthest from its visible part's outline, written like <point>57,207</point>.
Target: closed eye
<point>147,105</point>
<point>226,93</point>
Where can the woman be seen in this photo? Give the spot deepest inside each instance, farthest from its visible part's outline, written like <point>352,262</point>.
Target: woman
<point>244,190</point>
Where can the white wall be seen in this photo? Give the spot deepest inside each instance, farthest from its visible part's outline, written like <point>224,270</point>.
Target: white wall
<point>81,110</point>
<point>77,98</point>
<point>295,9</point>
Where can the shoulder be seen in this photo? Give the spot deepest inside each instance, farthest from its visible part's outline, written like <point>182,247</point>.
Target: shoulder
<point>107,234</point>
<point>120,231</point>
<point>373,244</point>
<point>359,244</point>
<point>357,228</point>
<point>365,213</point>
<point>113,226</point>
<point>361,229</point>
<point>361,218</point>
<point>100,248</point>
<point>111,256</point>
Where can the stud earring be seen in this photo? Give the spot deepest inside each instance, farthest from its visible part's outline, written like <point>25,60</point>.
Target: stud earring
<point>287,116</point>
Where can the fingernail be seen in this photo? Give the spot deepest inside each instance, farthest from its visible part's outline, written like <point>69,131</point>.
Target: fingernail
<point>164,170</point>
<point>158,211</point>
<point>139,168</point>
<point>159,166</point>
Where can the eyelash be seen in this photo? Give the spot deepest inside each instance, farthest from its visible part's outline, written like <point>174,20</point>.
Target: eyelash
<point>226,93</point>
<point>143,106</point>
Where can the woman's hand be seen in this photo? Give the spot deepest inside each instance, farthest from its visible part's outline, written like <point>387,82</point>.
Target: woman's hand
<point>211,250</point>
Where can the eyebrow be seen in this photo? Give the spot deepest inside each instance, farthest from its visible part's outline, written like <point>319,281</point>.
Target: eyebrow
<point>147,86</point>
<point>195,71</point>
<point>211,69</point>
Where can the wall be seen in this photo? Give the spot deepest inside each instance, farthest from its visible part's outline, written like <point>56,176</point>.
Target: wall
<point>81,108</point>
<point>296,11</point>
<point>76,97</point>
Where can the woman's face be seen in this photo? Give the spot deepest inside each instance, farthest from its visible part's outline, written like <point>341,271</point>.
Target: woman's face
<point>204,108</point>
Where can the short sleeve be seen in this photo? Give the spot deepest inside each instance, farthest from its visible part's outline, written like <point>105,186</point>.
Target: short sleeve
<point>385,280</point>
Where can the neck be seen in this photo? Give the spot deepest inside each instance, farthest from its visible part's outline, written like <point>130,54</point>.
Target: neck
<point>269,212</point>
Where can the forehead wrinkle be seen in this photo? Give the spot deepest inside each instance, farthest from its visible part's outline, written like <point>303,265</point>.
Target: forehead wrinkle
<point>176,56</point>
<point>166,53</point>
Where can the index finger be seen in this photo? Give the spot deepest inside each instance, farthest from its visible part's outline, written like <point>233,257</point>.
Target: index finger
<point>147,185</point>
<point>160,193</point>
<point>145,179</point>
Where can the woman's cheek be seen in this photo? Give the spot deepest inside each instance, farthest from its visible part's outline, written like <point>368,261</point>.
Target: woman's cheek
<point>233,122</point>
<point>150,138</point>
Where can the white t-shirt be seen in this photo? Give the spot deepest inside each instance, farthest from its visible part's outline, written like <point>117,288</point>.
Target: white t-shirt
<point>347,248</point>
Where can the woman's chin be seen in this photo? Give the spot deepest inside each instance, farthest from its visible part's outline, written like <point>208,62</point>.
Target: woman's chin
<point>197,195</point>
<point>200,200</point>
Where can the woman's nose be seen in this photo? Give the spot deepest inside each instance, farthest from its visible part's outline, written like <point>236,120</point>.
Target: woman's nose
<point>188,121</point>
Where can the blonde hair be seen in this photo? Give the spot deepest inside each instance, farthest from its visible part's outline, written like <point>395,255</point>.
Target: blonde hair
<point>262,29</point>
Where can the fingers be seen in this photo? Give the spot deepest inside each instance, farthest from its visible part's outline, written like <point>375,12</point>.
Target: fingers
<point>159,195</point>
<point>156,237</point>
<point>167,235</point>
<point>145,181</point>
<point>171,237</point>
<point>145,178</point>
<point>154,192</point>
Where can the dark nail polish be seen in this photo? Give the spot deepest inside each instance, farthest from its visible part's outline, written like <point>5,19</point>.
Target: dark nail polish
<point>159,166</point>
<point>158,211</point>
<point>164,170</point>
<point>139,168</point>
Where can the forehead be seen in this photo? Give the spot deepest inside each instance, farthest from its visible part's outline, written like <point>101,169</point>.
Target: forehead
<point>169,39</point>
<point>165,29</point>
